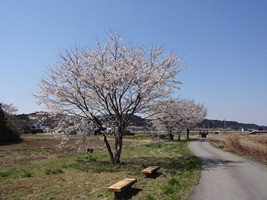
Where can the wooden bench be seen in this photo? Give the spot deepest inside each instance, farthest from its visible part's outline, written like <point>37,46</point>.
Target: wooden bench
<point>122,187</point>
<point>150,171</point>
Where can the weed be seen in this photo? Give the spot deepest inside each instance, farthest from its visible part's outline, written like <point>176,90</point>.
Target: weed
<point>170,187</point>
<point>16,198</point>
<point>5,174</point>
<point>26,174</point>
<point>91,158</point>
<point>149,197</point>
<point>167,189</point>
<point>174,181</point>
<point>154,145</point>
<point>53,171</point>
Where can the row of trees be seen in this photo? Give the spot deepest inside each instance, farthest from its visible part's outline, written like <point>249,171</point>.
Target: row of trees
<point>177,115</point>
<point>113,81</point>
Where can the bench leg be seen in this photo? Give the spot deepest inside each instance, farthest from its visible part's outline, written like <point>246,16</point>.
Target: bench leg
<point>152,175</point>
<point>148,175</point>
<point>121,195</point>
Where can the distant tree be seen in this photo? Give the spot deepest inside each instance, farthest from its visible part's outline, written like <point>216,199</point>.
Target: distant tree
<point>115,80</point>
<point>176,115</point>
<point>9,108</point>
<point>3,120</point>
<point>191,115</point>
<point>9,132</point>
<point>165,117</point>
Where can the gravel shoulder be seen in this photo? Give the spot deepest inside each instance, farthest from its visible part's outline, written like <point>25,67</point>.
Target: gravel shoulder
<point>227,176</point>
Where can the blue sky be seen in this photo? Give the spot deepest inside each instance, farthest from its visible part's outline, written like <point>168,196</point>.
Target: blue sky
<point>222,42</point>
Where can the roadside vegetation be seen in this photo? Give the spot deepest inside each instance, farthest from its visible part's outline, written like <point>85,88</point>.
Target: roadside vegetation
<point>252,146</point>
<point>87,176</point>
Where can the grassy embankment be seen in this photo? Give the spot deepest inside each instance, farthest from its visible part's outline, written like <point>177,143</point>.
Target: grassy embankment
<point>251,146</point>
<point>88,176</point>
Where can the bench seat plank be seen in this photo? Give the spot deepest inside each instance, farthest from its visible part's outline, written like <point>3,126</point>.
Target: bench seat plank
<point>119,186</point>
<point>150,170</point>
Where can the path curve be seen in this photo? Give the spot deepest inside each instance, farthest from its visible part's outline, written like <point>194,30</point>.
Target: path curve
<point>226,176</point>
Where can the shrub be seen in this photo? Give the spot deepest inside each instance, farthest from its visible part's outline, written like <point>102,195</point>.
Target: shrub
<point>8,130</point>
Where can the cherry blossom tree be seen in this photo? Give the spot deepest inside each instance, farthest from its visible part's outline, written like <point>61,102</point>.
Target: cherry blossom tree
<point>177,115</point>
<point>191,114</point>
<point>165,117</point>
<point>113,80</point>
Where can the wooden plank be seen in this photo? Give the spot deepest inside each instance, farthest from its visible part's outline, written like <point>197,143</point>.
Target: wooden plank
<point>150,170</point>
<point>119,186</point>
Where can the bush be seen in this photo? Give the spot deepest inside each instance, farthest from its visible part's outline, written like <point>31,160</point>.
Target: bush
<point>8,131</point>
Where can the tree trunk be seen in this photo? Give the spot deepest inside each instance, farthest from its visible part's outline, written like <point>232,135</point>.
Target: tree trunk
<point>170,135</point>
<point>109,148</point>
<point>118,144</point>
<point>179,136</point>
<point>187,133</point>
<point>118,148</point>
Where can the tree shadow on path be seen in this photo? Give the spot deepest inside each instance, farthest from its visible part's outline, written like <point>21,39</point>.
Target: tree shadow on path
<point>212,163</point>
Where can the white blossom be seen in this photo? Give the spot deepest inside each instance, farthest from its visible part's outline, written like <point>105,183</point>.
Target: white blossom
<point>114,79</point>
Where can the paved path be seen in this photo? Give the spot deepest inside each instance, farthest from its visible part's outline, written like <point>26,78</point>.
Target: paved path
<point>226,176</point>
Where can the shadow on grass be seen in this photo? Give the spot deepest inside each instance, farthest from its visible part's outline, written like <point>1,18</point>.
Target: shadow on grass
<point>11,142</point>
<point>132,192</point>
<point>190,140</point>
<point>134,166</point>
<point>154,176</point>
<point>181,141</point>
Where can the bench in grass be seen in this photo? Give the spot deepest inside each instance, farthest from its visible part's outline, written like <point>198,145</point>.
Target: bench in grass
<point>150,171</point>
<point>122,187</point>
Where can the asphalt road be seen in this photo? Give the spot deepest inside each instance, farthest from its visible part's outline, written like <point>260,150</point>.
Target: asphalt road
<point>226,176</point>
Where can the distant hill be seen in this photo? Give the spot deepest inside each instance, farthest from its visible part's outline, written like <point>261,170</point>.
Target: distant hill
<point>232,125</point>
<point>139,123</point>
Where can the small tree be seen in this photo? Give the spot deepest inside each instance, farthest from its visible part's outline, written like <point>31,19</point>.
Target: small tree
<point>9,131</point>
<point>114,80</point>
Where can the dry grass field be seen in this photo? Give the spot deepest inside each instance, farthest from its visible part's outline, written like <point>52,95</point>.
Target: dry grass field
<point>252,146</point>
<point>37,169</point>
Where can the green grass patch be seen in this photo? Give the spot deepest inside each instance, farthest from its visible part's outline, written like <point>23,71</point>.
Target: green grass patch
<point>5,174</point>
<point>88,176</point>
<point>53,171</point>
<point>26,174</point>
